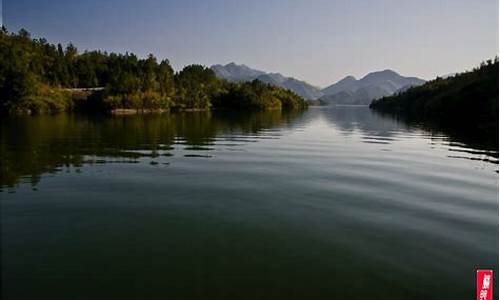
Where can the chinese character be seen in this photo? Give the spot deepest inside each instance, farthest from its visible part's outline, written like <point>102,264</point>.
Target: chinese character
<point>486,282</point>
<point>483,295</point>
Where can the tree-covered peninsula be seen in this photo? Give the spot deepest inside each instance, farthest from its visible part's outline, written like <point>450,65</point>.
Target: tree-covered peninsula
<point>466,102</point>
<point>37,77</point>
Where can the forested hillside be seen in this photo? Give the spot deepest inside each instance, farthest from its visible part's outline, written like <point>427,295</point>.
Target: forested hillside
<point>466,101</point>
<point>36,76</point>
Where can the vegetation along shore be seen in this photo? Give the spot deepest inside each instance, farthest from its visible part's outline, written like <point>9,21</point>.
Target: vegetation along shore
<point>465,102</point>
<point>39,77</point>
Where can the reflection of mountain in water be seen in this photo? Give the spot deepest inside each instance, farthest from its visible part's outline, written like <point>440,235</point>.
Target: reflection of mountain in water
<point>348,119</point>
<point>32,146</point>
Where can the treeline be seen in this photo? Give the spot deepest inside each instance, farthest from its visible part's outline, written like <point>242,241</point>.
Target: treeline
<point>466,101</point>
<point>36,76</point>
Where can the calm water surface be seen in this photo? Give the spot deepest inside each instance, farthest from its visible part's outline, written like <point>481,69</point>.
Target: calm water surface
<point>332,203</point>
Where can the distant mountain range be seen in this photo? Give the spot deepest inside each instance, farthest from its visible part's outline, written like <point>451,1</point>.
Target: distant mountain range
<point>346,91</point>
<point>373,86</point>
<point>235,73</point>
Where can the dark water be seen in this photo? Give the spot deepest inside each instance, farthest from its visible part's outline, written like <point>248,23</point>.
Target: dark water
<point>332,203</point>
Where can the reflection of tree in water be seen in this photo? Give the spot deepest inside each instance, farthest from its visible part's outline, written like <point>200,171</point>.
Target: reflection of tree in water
<point>382,128</point>
<point>31,146</point>
<point>485,143</point>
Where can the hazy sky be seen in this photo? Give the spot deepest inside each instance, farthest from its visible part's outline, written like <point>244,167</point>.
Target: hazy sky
<point>319,41</point>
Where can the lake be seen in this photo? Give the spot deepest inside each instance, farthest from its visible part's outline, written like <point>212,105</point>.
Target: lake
<point>333,202</point>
